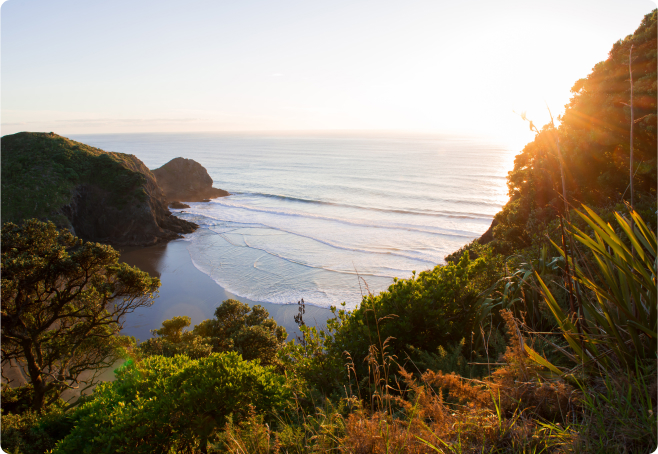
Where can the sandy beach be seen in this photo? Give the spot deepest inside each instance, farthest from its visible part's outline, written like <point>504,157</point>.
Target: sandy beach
<point>187,291</point>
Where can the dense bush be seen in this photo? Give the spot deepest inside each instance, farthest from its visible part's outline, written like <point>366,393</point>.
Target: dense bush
<point>243,329</point>
<point>435,308</point>
<point>174,403</point>
<point>33,433</point>
<point>172,340</point>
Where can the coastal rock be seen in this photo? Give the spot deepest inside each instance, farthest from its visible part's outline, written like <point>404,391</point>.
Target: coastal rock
<point>101,196</point>
<point>186,180</point>
<point>178,205</point>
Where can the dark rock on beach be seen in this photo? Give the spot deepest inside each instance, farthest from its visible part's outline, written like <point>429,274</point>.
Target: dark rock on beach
<point>186,180</point>
<point>178,205</point>
<point>100,196</point>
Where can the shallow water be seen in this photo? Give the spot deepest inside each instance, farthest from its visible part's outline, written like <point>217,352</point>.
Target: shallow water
<point>329,217</point>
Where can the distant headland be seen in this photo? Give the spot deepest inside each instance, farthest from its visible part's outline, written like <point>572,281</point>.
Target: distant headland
<point>100,196</point>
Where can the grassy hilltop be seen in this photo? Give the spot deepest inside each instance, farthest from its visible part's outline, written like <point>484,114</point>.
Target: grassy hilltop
<point>40,172</point>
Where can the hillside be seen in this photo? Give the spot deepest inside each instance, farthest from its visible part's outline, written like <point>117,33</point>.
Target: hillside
<point>101,196</point>
<point>594,137</point>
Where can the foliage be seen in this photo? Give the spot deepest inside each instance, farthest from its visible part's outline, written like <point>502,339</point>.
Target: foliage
<point>248,331</point>
<point>619,413</point>
<point>475,249</point>
<point>454,359</point>
<point>594,139</point>
<point>41,170</point>
<point>313,360</point>
<point>596,122</point>
<point>420,420</point>
<point>33,433</point>
<point>171,340</point>
<point>605,340</point>
<point>435,308</point>
<point>62,306</point>
<point>16,400</point>
<point>236,327</point>
<point>517,292</point>
<point>177,403</point>
<point>618,300</point>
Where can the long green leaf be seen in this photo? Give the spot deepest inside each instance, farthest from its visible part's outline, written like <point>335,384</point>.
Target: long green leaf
<point>565,324</point>
<point>536,357</point>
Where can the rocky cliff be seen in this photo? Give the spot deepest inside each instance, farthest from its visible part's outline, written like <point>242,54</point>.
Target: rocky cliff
<point>185,180</point>
<point>105,197</point>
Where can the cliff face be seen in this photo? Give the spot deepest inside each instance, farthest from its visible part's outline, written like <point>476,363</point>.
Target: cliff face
<point>106,197</point>
<point>185,180</point>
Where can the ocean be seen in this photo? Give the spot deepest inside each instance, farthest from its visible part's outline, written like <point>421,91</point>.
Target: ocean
<point>328,217</point>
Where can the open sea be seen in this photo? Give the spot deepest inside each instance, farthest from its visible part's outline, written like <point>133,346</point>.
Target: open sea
<point>328,217</point>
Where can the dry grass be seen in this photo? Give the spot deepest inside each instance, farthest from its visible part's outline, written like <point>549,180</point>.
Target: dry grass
<point>513,411</point>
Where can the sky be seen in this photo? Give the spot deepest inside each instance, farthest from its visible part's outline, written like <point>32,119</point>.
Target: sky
<point>463,67</point>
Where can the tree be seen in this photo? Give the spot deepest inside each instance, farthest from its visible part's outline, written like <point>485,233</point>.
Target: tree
<point>171,340</point>
<point>235,328</point>
<point>63,303</point>
<point>248,331</point>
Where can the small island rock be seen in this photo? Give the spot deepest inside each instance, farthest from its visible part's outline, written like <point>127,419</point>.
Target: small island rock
<point>186,180</point>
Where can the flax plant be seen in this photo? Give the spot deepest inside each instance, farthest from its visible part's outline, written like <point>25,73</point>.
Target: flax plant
<point>620,304</point>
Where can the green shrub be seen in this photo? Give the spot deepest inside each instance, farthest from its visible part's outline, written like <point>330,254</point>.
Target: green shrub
<point>173,403</point>
<point>32,433</point>
<point>435,308</point>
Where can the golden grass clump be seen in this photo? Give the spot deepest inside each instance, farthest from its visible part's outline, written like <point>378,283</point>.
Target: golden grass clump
<point>520,384</point>
<point>426,423</point>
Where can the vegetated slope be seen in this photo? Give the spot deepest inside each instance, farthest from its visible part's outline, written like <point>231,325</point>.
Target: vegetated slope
<point>440,307</point>
<point>101,196</point>
<point>594,137</point>
<point>186,180</point>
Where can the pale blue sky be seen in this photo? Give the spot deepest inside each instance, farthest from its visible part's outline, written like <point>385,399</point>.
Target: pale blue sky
<point>91,66</point>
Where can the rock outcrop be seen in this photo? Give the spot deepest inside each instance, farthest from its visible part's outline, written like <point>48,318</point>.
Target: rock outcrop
<point>185,180</point>
<point>105,197</point>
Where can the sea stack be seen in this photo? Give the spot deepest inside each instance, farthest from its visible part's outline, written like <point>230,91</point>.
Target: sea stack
<point>185,180</point>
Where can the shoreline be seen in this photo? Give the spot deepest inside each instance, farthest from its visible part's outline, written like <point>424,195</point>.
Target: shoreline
<point>187,291</point>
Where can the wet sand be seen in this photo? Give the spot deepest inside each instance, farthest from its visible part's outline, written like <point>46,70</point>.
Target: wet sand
<point>187,291</point>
